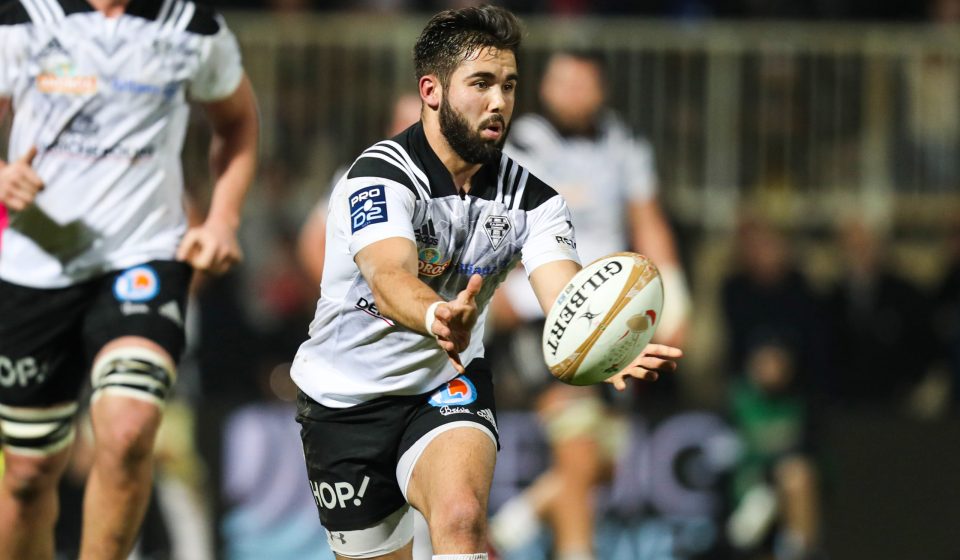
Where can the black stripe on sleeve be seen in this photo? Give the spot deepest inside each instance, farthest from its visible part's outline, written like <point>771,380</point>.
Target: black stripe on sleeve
<point>372,167</point>
<point>204,21</point>
<point>14,14</point>
<point>534,194</point>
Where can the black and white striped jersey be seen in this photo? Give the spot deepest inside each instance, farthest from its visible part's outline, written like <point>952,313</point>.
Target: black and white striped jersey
<point>597,175</point>
<point>105,101</point>
<point>400,188</point>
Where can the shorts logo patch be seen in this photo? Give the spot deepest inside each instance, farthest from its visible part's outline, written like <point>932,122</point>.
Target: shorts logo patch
<point>368,206</point>
<point>338,494</point>
<point>139,283</point>
<point>458,392</point>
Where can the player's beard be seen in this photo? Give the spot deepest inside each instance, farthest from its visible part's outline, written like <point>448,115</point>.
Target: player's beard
<point>467,142</point>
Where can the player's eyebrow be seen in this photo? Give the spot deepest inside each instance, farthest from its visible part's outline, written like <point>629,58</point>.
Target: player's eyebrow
<point>491,76</point>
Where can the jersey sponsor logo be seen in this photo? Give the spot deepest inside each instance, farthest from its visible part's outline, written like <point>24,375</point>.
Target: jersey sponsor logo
<point>427,235</point>
<point>370,308</point>
<point>84,125</point>
<point>137,284</point>
<point>448,410</point>
<point>496,228</point>
<point>58,75</point>
<point>561,240</point>
<point>139,88</point>
<point>429,262</point>
<point>22,372</point>
<point>457,392</point>
<point>471,269</point>
<point>338,494</point>
<point>368,206</point>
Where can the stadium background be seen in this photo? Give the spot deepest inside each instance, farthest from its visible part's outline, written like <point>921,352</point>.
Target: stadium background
<point>801,115</point>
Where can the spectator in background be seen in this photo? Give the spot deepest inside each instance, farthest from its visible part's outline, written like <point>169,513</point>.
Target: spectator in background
<point>766,295</point>
<point>775,487</point>
<point>875,314</point>
<point>608,178</point>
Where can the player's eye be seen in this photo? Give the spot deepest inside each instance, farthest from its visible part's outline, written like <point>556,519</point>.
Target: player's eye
<point>481,84</point>
<point>509,86</point>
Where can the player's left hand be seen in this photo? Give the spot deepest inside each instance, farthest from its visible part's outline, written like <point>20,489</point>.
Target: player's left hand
<point>211,247</point>
<point>654,360</point>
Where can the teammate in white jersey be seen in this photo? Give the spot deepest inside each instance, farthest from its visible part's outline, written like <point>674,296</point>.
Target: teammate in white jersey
<point>97,255</point>
<point>396,402</point>
<point>608,179</point>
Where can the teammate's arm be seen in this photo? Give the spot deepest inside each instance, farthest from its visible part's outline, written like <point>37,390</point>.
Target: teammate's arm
<point>653,237</point>
<point>19,183</point>
<point>549,279</point>
<point>213,245</point>
<point>390,268</point>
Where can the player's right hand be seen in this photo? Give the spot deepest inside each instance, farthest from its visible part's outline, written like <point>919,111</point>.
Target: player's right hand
<point>454,321</point>
<point>19,183</point>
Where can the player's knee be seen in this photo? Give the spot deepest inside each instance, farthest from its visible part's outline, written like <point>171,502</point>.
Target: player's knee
<point>134,372</point>
<point>125,445</point>
<point>28,478</point>
<point>460,517</point>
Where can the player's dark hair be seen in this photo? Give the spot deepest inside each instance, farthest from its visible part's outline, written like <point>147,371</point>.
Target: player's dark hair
<point>453,35</point>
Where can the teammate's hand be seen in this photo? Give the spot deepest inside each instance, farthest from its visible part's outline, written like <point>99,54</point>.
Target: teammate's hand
<point>454,321</point>
<point>654,360</point>
<point>19,183</point>
<point>211,247</point>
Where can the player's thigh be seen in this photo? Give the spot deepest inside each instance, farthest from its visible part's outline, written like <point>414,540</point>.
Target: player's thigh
<point>41,366</point>
<point>350,456</point>
<point>450,448</point>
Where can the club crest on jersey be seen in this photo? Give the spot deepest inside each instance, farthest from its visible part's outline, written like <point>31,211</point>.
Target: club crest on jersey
<point>137,284</point>
<point>496,228</point>
<point>457,392</point>
<point>368,206</point>
<point>430,262</point>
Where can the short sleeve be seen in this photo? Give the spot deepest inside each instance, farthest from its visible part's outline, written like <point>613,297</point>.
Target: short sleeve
<point>220,70</point>
<point>367,210</point>
<point>11,58</point>
<point>551,235</point>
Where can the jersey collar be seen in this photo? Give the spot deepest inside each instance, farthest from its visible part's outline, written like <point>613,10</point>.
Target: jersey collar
<point>482,184</point>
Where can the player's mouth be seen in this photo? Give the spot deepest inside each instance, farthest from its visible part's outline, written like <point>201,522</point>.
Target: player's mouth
<point>492,129</point>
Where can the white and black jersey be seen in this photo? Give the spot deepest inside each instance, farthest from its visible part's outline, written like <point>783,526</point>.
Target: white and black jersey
<point>105,101</point>
<point>598,175</point>
<point>400,188</point>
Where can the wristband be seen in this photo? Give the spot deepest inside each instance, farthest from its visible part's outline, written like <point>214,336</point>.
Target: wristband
<point>430,317</point>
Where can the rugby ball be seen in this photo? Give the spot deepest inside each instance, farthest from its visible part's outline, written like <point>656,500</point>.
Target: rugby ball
<point>603,318</point>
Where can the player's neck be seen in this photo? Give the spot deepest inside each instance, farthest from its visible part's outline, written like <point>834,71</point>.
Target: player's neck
<point>110,8</point>
<point>460,170</point>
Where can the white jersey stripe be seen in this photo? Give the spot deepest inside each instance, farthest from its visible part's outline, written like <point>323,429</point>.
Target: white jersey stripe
<point>56,11</point>
<point>396,153</point>
<point>419,172</point>
<point>508,185</point>
<point>36,14</point>
<point>174,16</point>
<point>504,161</point>
<point>410,171</point>
<point>518,196</point>
<point>185,16</point>
<point>370,154</point>
<point>165,10</point>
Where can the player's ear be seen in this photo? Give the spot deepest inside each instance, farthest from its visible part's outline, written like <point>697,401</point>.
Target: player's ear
<point>430,91</point>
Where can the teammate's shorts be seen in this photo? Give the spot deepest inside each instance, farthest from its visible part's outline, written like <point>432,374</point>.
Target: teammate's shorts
<point>355,455</point>
<point>49,337</point>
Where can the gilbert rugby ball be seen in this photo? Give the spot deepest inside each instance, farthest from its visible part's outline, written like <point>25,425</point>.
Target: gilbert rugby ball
<point>603,318</point>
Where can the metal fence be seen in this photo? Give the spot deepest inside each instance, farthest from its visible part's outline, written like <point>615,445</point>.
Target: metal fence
<point>816,116</point>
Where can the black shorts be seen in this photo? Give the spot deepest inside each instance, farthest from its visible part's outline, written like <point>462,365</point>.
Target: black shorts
<point>352,453</point>
<point>49,337</point>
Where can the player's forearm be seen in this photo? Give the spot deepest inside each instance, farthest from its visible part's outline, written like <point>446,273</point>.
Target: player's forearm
<point>402,297</point>
<point>233,162</point>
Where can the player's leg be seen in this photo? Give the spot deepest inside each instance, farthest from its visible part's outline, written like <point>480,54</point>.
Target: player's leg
<point>135,331</point>
<point>447,462</point>
<point>40,375</point>
<point>131,377</point>
<point>35,454</point>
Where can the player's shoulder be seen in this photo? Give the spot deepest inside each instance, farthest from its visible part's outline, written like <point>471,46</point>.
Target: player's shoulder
<point>391,159</point>
<point>516,180</point>
<point>13,13</point>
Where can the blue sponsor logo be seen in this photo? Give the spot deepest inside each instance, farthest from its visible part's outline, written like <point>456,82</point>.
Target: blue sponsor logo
<point>471,269</point>
<point>368,206</point>
<point>139,283</point>
<point>457,392</point>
